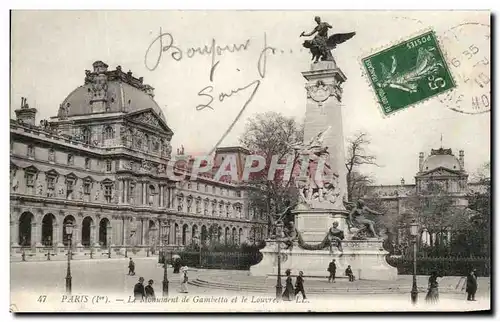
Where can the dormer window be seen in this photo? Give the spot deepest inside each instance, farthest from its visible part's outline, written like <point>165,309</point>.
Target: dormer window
<point>86,135</point>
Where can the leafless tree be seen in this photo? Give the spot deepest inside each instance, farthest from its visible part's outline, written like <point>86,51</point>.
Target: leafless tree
<point>271,134</point>
<point>357,155</point>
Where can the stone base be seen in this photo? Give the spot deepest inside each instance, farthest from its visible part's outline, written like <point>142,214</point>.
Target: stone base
<point>313,224</point>
<point>366,257</point>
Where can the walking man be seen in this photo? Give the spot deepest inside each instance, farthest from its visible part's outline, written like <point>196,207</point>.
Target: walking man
<point>471,285</point>
<point>139,293</point>
<point>332,268</point>
<point>299,285</point>
<point>131,267</point>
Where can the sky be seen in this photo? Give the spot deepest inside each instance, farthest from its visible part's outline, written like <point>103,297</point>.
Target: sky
<point>52,49</point>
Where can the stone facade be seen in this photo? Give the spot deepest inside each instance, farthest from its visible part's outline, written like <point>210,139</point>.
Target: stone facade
<point>101,164</point>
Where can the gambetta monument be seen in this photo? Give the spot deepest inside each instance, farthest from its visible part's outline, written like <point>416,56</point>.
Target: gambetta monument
<point>325,226</point>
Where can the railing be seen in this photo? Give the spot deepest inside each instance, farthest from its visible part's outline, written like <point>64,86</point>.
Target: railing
<point>447,266</point>
<point>214,259</point>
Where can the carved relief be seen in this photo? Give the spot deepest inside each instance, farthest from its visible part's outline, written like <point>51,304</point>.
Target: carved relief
<point>125,165</point>
<point>99,87</point>
<point>148,118</point>
<point>320,91</point>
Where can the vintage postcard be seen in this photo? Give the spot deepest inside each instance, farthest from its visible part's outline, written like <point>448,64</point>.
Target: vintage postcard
<point>250,161</point>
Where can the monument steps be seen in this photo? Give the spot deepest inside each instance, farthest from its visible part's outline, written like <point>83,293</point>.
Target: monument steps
<point>270,287</point>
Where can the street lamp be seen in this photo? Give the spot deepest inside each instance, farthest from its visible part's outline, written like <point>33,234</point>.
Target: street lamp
<point>165,274</point>
<point>69,232</point>
<point>279,287</point>
<point>414,233</point>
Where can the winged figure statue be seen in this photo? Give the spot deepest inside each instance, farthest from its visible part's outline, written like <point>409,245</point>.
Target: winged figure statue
<point>321,45</point>
<point>426,65</point>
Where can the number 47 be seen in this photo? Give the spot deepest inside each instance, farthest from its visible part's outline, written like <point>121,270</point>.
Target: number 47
<point>42,298</point>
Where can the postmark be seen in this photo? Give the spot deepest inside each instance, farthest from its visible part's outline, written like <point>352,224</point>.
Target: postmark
<point>408,72</point>
<point>467,48</point>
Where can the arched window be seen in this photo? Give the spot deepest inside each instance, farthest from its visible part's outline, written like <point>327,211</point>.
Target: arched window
<point>108,133</point>
<point>86,135</point>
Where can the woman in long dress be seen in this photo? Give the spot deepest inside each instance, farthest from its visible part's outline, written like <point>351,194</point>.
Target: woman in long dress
<point>184,279</point>
<point>289,293</point>
<point>433,293</point>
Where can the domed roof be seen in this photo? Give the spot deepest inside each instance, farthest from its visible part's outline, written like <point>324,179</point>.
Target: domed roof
<point>118,91</point>
<point>441,158</point>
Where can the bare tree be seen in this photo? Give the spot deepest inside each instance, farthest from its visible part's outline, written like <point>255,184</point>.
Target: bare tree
<point>271,134</point>
<point>357,156</point>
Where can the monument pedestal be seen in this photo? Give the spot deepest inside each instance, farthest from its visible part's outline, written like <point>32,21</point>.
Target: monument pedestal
<point>366,257</point>
<point>313,224</point>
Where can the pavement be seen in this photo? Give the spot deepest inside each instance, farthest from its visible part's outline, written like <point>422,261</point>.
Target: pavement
<point>31,280</point>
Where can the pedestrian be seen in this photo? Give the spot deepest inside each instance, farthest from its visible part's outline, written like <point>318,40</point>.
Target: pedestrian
<point>139,293</point>
<point>433,293</point>
<point>348,272</point>
<point>471,285</point>
<point>299,285</point>
<point>131,267</point>
<point>332,268</point>
<point>177,265</point>
<point>289,292</point>
<point>149,291</point>
<point>184,279</point>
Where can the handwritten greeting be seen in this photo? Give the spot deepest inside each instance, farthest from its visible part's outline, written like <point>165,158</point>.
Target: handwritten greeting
<point>164,43</point>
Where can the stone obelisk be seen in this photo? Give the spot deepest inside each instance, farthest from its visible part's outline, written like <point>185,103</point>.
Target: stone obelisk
<point>323,112</point>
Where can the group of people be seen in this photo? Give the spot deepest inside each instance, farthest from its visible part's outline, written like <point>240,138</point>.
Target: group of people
<point>332,269</point>
<point>470,287</point>
<point>142,292</point>
<point>290,292</point>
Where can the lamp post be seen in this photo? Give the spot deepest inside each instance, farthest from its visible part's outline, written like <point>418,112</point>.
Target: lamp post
<point>69,232</point>
<point>165,273</point>
<point>414,233</point>
<point>279,287</point>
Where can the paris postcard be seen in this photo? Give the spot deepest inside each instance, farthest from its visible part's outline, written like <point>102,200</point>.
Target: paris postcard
<point>250,161</point>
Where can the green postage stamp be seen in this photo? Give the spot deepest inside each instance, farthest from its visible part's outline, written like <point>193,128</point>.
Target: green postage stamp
<point>408,72</point>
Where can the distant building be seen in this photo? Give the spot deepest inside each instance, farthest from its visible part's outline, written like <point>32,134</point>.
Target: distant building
<point>440,172</point>
<point>100,163</point>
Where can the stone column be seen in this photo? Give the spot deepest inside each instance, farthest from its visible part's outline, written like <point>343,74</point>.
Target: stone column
<point>14,233</point>
<point>93,236</point>
<point>124,230</point>
<point>77,235</point>
<point>36,238</point>
<point>161,201</point>
<point>109,235</point>
<point>144,193</point>
<point>143,232</point>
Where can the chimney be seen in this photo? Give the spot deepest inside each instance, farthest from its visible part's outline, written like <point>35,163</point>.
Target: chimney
<point>461,155</point>
<point>26,114</point>
<point>421,161</point>
<point>148,89</point>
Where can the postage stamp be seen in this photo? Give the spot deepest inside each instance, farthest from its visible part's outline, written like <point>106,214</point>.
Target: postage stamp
<point>408,73</point>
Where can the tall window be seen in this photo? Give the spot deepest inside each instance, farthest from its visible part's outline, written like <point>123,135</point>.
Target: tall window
<point>86,135</point>
<point>70,183</point>
<point>70,159</point>
<point>107,193</point>
<point>108,133</point>
<point>86,187</point>
<point>30,179</point>
<point>108,165</point>
<point>52,155</point>
<point>51,186</point>
<point>87,163</point>
<point>31,151</point>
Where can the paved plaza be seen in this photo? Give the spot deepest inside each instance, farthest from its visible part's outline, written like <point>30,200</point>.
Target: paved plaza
<point>109,276</point>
